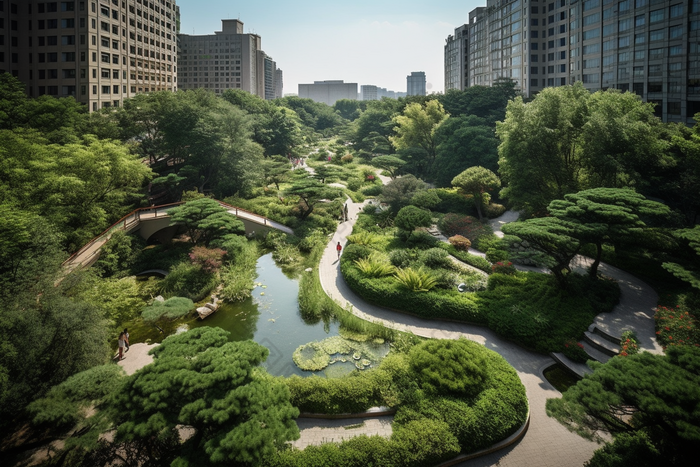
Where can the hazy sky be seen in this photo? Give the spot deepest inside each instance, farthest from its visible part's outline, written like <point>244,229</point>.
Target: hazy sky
<point>376,42</point>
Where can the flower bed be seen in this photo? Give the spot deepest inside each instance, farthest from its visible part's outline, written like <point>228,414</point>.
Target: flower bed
<point>676,326</point>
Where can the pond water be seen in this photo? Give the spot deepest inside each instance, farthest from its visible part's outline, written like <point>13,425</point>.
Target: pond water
<point>271,318</point>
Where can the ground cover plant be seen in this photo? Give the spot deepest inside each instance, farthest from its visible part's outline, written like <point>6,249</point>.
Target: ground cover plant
<point>451,397</point>
<point>676,322</point>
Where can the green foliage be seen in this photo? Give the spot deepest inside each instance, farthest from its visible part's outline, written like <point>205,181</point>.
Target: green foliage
<point>685,273</point>
<point>374,267</point>
<point>436,258</point>
<point>120,300</point>
<point>677,326</point>
<point>574,351</point>
<point>457,224</point>
<point>67,404</point>
<point>451,200</point>
<point>118,253</point>
<point>411,217</point>
<point>399,192</point>
<point>449,367</point>
<point>238,275</point>
<point>477,182</point>
<point>652,398</point>
<point>416,128</point>
<point>363,238</point>
<point>199,379</point>
<point>629,344</point>
<point>188,280</point>
<point>466,257</point>
<point>403,258</point>
<point>391,164</point>
<point>310,192</point>
<point>354,252</point>
<point>206,220</point>
<point>172,308</point>
<point>415,280</point>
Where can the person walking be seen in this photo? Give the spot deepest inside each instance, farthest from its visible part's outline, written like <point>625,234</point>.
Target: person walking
<point>338,248</point>
<point>126,339</point>
<point>121,342</point>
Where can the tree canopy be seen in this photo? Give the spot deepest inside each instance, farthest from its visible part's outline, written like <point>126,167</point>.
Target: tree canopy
<point>648,403</point>
<point>477,181</point>
<point>206,220</point>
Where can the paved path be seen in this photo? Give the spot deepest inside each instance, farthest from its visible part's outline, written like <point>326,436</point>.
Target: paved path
<point>547,443</point>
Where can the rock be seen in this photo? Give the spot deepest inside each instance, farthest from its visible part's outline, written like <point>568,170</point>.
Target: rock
<point>308,269</point>
<point>160,298</point>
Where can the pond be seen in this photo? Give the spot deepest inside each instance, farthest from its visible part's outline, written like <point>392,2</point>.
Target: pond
<point>271,318</point>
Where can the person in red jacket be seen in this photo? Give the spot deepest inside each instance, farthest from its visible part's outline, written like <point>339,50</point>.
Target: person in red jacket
<point>338,248</point>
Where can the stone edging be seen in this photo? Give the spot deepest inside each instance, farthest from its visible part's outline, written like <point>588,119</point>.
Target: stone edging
<point>512,439</point>
<point>373,412</point>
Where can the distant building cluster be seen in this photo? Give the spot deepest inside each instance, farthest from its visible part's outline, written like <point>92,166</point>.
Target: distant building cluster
<point>329,92</point>
<point>370,92</point>
<point>104,51</point>
<point>649,47</point>
<point>415,83</point>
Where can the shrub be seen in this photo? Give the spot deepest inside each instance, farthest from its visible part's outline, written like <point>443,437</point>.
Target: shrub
<point>629,345</point>
<point>233,245</point>
<point>373,267</point>
<point>504,268</point>
<point>488,242</point>
<point>422,240</point>
<point>363,238</point>
<point>209,259</point>
<point>436,258</point>
<point>453,201</point>
<point>353,252</point>
<point>455,367</point>
<point>466,226</point>
<point>354,183</point>
<point>426,199</point>
<point>415,280</point>
<point>354,393</point>
<point>466,257</point>
<point>676,326</point>
<point>403,258</point>
<point>373,190</point>
<point>346,159</point>
<point>574,351</point>
<point>411,217</point>
<point>460,243</point>
<point>497,256</point>
<point>188,280</point>
<point>493,210</point>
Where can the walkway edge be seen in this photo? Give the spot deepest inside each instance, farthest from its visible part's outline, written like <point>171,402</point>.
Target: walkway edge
<point>379,412</point>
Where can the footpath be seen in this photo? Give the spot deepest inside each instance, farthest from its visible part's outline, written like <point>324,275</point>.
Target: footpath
<point>546,443</point>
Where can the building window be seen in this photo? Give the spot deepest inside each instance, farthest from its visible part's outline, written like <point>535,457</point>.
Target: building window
<point>675,50</point>
<point>676,10</point>
<point>592,78</point>
<point>105,89</point>
<point>654,87</point>
<point>656,16</point>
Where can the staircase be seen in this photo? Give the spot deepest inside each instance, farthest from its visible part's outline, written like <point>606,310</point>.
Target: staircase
<point>599,345</point>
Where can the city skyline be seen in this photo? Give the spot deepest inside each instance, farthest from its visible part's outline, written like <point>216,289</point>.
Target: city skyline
<point>377,43</point>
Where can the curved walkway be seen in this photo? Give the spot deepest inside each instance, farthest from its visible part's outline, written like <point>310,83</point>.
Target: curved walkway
<point>547,443</point>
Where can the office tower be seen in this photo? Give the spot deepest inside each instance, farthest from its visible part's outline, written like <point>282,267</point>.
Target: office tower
<point>227,59</point>
<point>650,47</point>
<point>415,83</point>
<point>328,92</point>
<point>457,59</point>
<point>369,92</point>
<point>279,84</point>
<point>98,51</point>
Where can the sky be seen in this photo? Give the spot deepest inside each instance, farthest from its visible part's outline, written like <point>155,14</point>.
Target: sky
<point>376,42</point>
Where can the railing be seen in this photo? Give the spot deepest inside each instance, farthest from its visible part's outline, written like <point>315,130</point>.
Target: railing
<point>134,217</point>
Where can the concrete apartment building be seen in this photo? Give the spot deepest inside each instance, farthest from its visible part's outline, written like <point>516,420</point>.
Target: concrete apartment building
<point>98,51</point>
<point>328,92</point>
<point>369,92</point>
<point>457,59</point>
<point>415,83</point>
<point>227,59</point>
<point>650,47</point>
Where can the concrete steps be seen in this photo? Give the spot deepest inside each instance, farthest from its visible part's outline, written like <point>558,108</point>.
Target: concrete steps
<point>601,344</point>
<point>595,354</point>
<point>577,369</point>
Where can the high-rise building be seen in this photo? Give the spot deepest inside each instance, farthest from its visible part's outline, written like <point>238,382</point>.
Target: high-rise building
<point>415,83</point>
<point>368,92</point>
<point>227,59</point>
<point>457,59</point>
<point>98,51</point>
<point>279,84</point>
<point>650,47</point>
<point>329,91</point>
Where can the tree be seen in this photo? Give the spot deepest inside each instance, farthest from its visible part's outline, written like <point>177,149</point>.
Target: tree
<point>276,170</point>
<point>325,171</point>
<point>691,276</point>
<point>416,128</point>
<point>399,192</point>
<point>568,139</point>
<point>391,164</point>
<point>464,142</point>
<point>310,192</point>
<point>648,403</point>
<point>200,380</point>
<point>477,181</point>
<point>205,220</point>
<point>605,215</point>
<point>160,314</point>
<point>486,102</point>
<point>553,238</point>
<point>409,218</point>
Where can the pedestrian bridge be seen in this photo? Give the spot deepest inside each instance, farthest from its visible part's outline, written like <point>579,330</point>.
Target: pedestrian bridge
<point>155,220</point>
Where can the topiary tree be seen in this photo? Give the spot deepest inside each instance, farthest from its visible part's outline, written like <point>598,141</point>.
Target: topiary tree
<point>399,192</point>
<point>449,367</point>
<point>411,217</point>
<point>160,313</point>
<point>648,403</point>
<point>310,192</point>
<point>206,220</point>
<point>391,164</point>
<point>477,181</point>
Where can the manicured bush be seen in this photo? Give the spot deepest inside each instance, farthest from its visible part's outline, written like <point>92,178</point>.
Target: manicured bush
<point>354,184</point>
<point>346,159</point>
<point>411,217</point>
<point>353,252</point>
<point>504,268</point>
<point>422,240</point>
<point>188,280</point>
<point>629,344</point>
<point>493,210</point>
<point>403,258</point>
<point>460,243</point>
<point>676,326</point>
<point>466,257</point>
<point>373,190</point>
<point>449,367</point>
<point>352,394</point>
<point>436,258</point>
<point>453,201</point>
